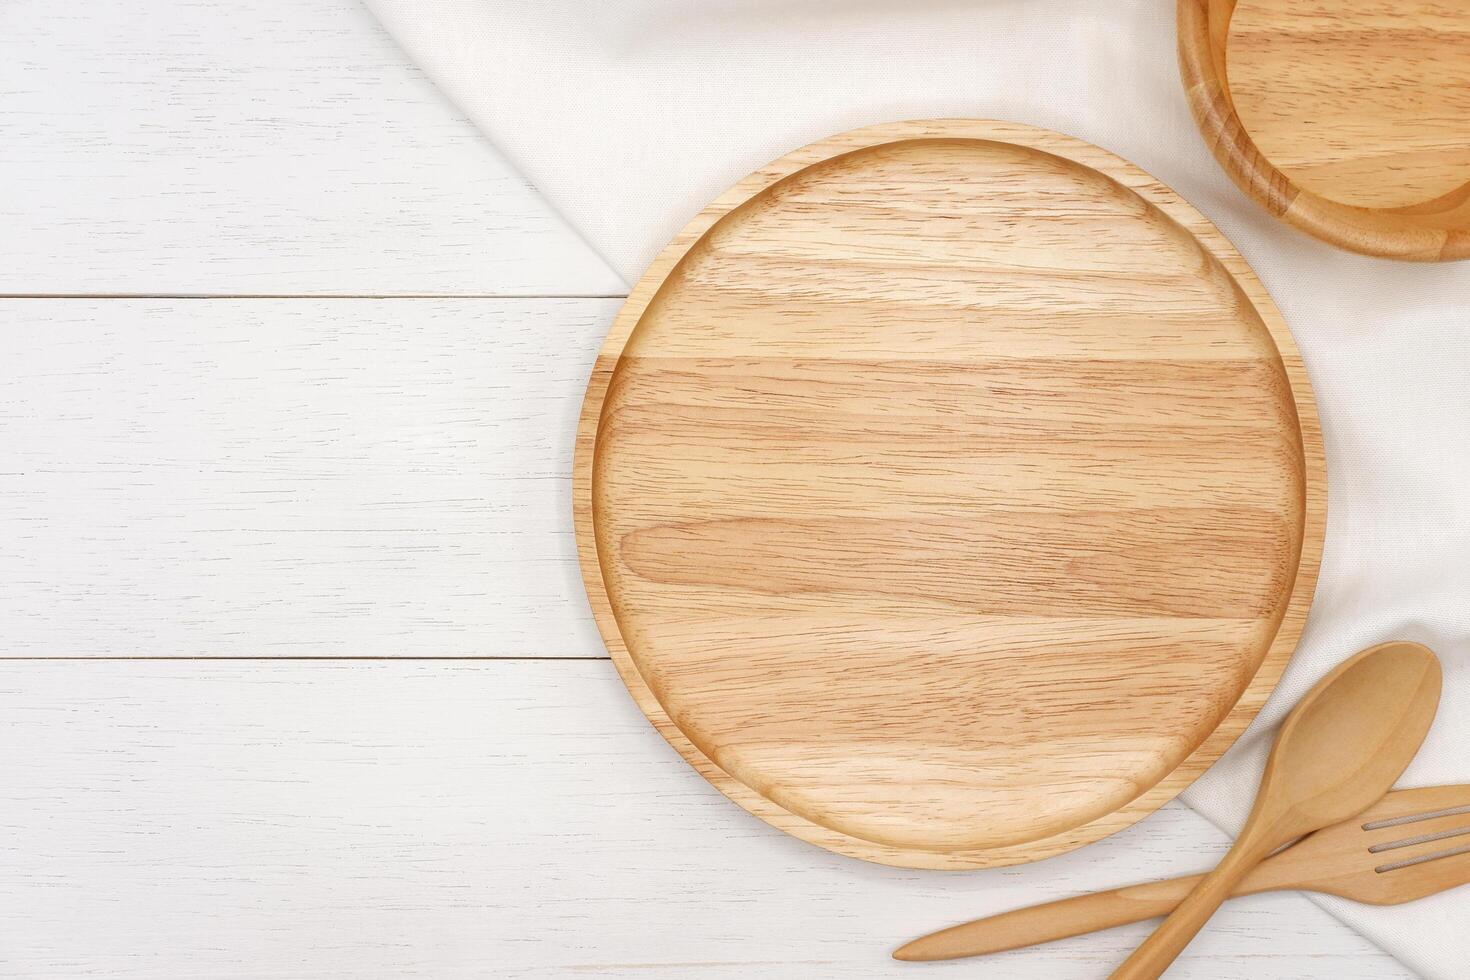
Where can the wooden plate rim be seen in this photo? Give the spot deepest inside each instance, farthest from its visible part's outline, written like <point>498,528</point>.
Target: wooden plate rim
<point>1432,231</point>
<point>1288,632</point>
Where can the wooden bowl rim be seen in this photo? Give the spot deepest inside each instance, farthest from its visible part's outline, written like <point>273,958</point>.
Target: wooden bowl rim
<point>1314,505</point>
<point>1437,230</point>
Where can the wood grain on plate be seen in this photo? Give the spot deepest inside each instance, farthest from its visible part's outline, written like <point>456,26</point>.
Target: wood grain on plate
<point>503,819</point>
<point>949,493</point>
<point>1350,119</point>
<point>1340,750</point>
<point>337,818</point>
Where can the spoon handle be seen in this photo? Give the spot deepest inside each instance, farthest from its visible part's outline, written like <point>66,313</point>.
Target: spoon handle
<point>1150,960</point>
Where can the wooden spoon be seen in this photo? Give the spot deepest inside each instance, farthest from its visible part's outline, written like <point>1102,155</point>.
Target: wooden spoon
<point>1413,843</point>
<point>1338,752</point>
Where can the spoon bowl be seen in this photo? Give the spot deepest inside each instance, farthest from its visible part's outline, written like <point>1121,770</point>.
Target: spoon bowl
<point>1339,751</point>
<point>1349,739</point>
<point>1411,844</point>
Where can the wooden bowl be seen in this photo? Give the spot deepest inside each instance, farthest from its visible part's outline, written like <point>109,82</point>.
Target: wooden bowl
<point>1350,121</point>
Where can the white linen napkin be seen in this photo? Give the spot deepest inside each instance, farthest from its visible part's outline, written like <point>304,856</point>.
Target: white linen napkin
<point>628,116</point>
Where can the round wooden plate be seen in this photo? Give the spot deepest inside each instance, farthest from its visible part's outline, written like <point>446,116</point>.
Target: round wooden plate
<point>1349,119</point>
<point>949,493</point>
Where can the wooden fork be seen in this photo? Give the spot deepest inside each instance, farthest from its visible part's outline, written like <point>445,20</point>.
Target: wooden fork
<point>1413,843</point>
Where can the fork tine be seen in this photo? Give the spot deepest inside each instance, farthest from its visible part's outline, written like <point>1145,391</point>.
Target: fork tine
<point>1412,818</point>
<point>1434,826</point>
<point>1451,862</point>
<point>1436,838</point>
<point>1438,831</point>
<point>1409,805</point>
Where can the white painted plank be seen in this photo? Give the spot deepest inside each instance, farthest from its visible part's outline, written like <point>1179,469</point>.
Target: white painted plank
<point>252,146</point>
<point>488,818</point>
<point>283,477</point>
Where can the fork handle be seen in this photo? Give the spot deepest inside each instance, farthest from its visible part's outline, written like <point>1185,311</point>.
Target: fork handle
<point>1053,920</point>
<point>1069,917</point>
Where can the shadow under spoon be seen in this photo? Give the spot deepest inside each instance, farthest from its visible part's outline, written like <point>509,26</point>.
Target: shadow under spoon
<point>1413,843</point>
<point>1339,752</point>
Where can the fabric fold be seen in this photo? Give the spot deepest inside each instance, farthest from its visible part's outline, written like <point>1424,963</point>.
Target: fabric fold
<point>629,116</point>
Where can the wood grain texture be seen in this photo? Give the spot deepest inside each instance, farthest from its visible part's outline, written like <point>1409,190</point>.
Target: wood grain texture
<point>1413,843</point>
<point>1339,752</point>
<point>270,818</point>
<point>1349,119</point>
<point>1363,101</point>
<point>502,819</point>
<point>950,494</point>
<point>265,478</point>
<point>253,147</point>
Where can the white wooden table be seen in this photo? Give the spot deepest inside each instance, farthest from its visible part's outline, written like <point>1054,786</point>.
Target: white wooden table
<point>298,676</point>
